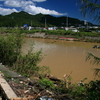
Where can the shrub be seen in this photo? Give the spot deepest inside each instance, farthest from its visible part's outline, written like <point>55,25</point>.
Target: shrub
<point>46,83</point>
<point>10,46</point>
<point>11,55</point>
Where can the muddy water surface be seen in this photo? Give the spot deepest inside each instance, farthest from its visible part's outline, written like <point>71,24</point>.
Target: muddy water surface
<point>65,57</point>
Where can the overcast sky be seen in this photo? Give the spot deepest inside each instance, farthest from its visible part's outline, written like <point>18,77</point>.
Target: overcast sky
<point>52,7</point>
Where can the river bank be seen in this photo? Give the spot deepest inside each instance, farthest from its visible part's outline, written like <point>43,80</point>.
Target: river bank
<point>63,37</point>
<point>44,36</point>
<point>67,50</point>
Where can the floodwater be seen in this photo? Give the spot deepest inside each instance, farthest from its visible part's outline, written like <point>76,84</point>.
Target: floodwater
<point>65,57</point>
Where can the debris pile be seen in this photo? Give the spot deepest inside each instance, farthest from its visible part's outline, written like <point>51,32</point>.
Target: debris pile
<point>30,89</point>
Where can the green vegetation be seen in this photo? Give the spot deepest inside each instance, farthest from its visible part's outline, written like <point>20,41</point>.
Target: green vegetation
<point>45,83</point>
<point>9,49</point>
<point>81,91</point>
<point>11,55</point>
<point>21,18</point>
<point>81,35</point>
<point>26,64</point>
<point>89,7</point>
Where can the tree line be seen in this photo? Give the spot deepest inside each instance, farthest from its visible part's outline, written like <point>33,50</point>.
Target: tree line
<point>21,18</point>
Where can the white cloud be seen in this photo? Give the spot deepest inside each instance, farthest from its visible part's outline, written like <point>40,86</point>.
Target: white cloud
<point>38,0</point>
<point>25,5</point>
<point>4,11</point>
<point>18,3</point>
<point>35,10</point>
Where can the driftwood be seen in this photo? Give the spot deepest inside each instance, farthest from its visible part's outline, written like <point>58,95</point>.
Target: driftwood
<point>28,89</point>
<point>66,79</point>
<point>54,78</point>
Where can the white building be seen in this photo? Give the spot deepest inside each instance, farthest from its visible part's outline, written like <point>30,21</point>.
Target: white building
<point>73,29</point>
<point>52,28</point>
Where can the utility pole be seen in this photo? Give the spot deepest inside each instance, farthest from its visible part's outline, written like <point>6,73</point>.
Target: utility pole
<point>45,23</point>
<point>67,21</point>
<point>31,22</point>
<point>86,23</point>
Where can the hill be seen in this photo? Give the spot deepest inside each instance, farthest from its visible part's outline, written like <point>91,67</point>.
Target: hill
<point>21,18</point>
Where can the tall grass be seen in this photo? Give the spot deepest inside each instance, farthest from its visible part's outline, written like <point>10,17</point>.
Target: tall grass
<point>10,46</point>
<point>11,55</point>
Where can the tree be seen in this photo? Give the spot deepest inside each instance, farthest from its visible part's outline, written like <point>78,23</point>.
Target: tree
<point>90,8</point>
<point>94,60</point>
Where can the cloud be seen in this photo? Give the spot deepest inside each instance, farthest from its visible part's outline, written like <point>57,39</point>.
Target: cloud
<point>35,10</point>
<point>38,0</point>
<point>17,3</point>
<point>4,11</point>
<point>25,5</point>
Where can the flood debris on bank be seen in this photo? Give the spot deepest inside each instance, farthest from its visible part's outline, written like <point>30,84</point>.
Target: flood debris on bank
<point>22,88</point>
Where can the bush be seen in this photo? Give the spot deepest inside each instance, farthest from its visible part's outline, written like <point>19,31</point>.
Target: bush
<point>77,92</point>
<point>45,83</point>
<point>10,46</point>
<point>11,55</point>
<point>27,64</point>
<point>93,90</point>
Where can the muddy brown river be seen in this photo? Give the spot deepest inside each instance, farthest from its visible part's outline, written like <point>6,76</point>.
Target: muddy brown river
<point>65,57</point>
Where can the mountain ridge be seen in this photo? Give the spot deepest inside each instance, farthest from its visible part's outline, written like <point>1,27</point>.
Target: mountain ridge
<point>38,20</point>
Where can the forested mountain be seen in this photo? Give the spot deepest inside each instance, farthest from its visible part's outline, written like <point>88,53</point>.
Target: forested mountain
<point>21,18</point>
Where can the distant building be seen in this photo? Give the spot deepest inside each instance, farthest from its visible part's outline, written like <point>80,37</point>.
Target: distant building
<point>73,29</point>
<point>95,26</point>
<point>52,28</point>
<point>29,28</point>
